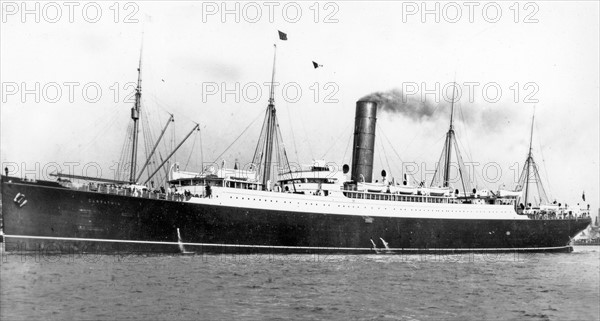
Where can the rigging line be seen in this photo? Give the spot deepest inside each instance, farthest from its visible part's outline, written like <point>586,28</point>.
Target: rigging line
<point>425,150</point>
<point>401,167</point>
<point>258,152</point>
<point>279,147</point>
<point>336,140</point>
<point>379,154</point>
<point>242,133</point>
<point>458,151</point>
<point>397,154</point>
<point>282,145</point>
<point>165,168</point>
<point>166,140</point>
<point>540,185</point>
<point>347,146</point>
<point>115,115</point>
<point>437,174</point>
<point>201,151</point>
<point>312,155</point>
<point>387,160</point>
<point>124,152</point>
<point>125,140</point>
<point>161,105</point>
<point>544,162</point>
<point>381,143</point>
<point>464,130</point>
<point>191,152</point>
<point>420,132</point>
<point>172,153</point>
<point>464,174</point>
<point>392,146</point>
<point>459,159</point>
<point>276,154</point>
<point>148,136</point>
<point>126,160</point>
<point>112,122</point>
<point>289,112</point>
<point>173,135</point>
<point>389,142</point>
<point>156,145</point>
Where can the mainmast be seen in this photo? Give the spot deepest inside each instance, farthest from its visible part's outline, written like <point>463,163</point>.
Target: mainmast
<point>449,138</point>
<point>270,127</point>
<point>441,177</point>
<point>530,170</point>
<point>529,160</point>
<point>135,115</point>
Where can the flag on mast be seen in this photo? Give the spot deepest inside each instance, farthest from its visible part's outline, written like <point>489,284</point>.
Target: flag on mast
<point>316,65</point>
<point>282,35</point>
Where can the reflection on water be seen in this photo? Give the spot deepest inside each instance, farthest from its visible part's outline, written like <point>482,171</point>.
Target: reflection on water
<point>402,287</point>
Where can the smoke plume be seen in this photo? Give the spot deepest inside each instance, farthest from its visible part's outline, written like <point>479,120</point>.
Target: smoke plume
<point>394,101</point>
<point>482,116</point>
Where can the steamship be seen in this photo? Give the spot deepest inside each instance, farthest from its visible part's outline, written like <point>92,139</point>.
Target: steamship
<point>269,208</point>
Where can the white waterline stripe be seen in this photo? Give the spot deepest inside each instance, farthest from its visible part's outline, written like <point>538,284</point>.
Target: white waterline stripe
<point>278,246</point>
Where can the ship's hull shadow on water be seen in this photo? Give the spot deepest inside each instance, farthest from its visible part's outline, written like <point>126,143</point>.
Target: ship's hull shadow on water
<point>57,219</point>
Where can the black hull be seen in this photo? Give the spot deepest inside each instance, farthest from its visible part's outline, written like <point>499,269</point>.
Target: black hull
<point>56,219</point>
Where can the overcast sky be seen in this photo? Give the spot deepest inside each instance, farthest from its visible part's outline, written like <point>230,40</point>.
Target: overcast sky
<point>543,54</point>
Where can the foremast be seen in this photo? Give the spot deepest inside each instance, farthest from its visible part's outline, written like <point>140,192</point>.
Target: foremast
<point>135,116</point>
<point>270,137</point>
<point>136,110</point>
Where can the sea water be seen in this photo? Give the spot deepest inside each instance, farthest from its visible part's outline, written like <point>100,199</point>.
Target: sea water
<point>338,287</point>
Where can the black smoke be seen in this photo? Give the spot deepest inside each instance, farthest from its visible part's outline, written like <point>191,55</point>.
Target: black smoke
<point>479,116</point>
<point>394,101</point>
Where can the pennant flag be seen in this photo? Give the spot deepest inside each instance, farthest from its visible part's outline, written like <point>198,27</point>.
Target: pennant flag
<point>316,65</point>
<point>583,196</point>
<point>282,35</point>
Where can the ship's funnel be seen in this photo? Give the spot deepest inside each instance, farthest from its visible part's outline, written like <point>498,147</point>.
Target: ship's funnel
<point>364,141</point>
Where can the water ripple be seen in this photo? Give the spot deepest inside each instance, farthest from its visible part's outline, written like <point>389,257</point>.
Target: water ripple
<point>372,287</point>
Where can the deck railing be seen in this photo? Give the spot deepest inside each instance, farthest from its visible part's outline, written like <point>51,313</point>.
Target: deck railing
<point>133,193</point>
<point>556,216</point>
<point>177,197</point>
